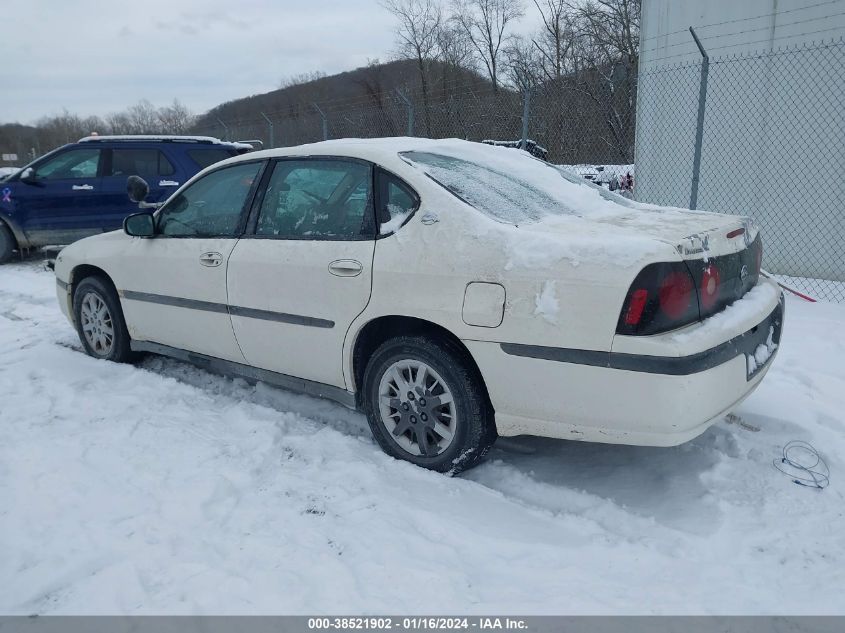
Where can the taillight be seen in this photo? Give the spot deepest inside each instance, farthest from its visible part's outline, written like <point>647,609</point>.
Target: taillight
<point>709,287</point>
<point>663,297</point>
<point>675,294</point>
<point>636,306</point>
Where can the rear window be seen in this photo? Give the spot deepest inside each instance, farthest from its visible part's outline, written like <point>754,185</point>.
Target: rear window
<point>501,196</point>
<point>206,157</point>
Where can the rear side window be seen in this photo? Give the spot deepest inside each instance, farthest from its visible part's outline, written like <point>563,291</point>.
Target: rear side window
<point>140,162</point>
<point>318,199</point>
<point>397,202</point>
<point>205,157</point>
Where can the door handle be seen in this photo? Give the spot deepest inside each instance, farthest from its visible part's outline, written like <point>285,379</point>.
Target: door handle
<point>346,268</point>
<point>168,183</point>
<point>82,187</point>
<point>211,259</point>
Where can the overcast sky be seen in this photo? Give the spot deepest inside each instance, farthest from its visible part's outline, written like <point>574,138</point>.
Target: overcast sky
<point>96,57</point>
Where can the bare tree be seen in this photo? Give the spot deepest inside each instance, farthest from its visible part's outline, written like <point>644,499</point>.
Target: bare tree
<point>143,118</point>
<point>607,51</point>
<point>175,118</point>
<point>301,78</point>
<point>419,25</point>
<point>524,67</point>
<point>554,42</point>
<point>454,51</point>
<point>612,28</point>
<point>485,24</point>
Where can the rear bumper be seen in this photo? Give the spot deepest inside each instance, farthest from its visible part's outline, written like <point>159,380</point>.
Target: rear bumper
<point>621,397</point>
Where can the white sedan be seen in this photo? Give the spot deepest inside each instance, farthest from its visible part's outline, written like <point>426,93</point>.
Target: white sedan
<point>453,291</point>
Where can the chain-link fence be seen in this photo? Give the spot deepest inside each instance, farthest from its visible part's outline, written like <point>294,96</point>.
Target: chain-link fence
<point>766,131</point>
<point>771,145</point>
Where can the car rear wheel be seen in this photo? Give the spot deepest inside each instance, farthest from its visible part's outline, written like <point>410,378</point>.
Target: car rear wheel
<point>7,243</point>
<point>426,405</point>
<point>99,321</point>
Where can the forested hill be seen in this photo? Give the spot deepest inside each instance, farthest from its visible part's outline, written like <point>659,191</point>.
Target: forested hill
<point>368,84</point>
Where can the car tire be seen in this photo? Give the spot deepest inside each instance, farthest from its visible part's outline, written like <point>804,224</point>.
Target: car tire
<point>7,244</point>
<point>99,321</point>
<point>426,404</point>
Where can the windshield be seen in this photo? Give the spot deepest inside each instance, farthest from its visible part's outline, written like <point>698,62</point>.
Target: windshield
<point>515,197</point>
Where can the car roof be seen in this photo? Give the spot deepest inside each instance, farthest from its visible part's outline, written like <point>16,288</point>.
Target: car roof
<point>162,138</point>
<point>382,151</point>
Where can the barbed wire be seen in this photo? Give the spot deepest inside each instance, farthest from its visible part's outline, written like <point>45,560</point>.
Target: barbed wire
<point>736,21</point>
<point>690,42</point>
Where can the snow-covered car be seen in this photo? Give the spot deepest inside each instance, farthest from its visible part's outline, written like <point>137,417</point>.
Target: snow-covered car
<point>453,291</point>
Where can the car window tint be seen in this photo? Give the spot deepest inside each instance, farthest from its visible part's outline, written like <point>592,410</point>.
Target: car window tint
<point>318,198</point>
<point>140,162</point>
<point>73,164</point>
<point>205,157</point>
<point>398,202</point>
<point>210,207</point>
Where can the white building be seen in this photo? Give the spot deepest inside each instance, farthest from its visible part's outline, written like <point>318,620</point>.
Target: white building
<point>774,120</point>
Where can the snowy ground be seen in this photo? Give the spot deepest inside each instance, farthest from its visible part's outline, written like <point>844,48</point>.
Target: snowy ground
<point>164,489</point>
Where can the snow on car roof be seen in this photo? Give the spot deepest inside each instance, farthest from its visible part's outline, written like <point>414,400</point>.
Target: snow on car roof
<point>162,137</point>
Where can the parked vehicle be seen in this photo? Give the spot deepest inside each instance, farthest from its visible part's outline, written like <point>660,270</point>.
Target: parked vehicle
<point>453,291</point>
<point>80,189</point>
<point>531,147</point>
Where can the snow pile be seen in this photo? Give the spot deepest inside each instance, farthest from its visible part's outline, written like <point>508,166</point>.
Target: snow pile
<point>398,215</point>
<point>546,304</point>
<point>739,312</point>
<point>763,353</point>
<point>164,489</point>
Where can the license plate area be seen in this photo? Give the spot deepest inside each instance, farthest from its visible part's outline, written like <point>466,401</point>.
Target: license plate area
<point>762,342</point>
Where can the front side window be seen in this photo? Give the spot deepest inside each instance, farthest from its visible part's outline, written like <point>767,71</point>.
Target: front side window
<point>140,162</point>
<point>318,199</point>
<point>74,164</point>
<point>212,206</point>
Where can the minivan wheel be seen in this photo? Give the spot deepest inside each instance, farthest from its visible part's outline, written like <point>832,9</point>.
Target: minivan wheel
<point>7,243</point>
<point>99,321</point>
<point>424,404</point>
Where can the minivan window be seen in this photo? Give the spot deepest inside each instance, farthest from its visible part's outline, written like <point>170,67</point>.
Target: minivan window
<point>73,164</point>
<point>140,162</point>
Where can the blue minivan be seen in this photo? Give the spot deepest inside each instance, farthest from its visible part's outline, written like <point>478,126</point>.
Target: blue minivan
<point>80,189</point>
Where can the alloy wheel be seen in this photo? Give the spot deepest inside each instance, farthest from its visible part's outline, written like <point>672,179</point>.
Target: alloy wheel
<point>417,408</point>
<point>97,324</point>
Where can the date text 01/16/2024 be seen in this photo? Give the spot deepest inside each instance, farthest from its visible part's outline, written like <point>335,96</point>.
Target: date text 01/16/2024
<point>416,623</point>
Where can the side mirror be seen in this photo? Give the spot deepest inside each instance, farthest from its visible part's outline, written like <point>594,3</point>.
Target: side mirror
<point>137,189</point>
<point>27,175</point>
<point>140,225</point>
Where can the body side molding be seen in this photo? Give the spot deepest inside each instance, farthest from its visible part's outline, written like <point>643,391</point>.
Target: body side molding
<point>746,343</point>
<point>208,306</point>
